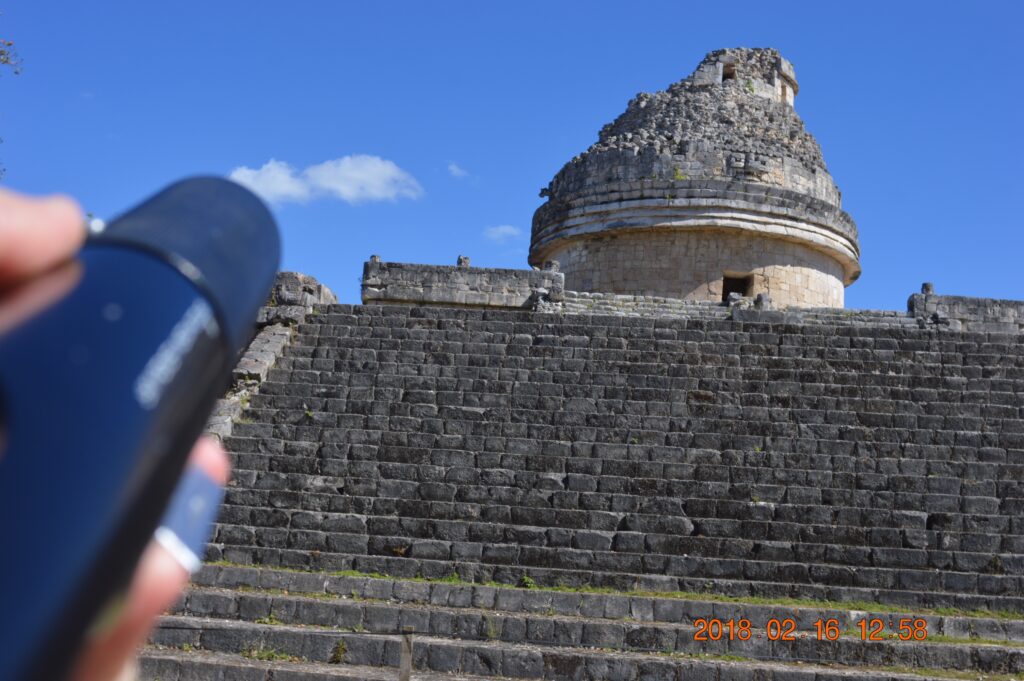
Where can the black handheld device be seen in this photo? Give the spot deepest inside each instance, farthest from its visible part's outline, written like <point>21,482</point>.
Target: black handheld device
<point>103,392</point>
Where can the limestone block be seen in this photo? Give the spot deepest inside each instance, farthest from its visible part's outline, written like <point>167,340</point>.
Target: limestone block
<point>460,285</point>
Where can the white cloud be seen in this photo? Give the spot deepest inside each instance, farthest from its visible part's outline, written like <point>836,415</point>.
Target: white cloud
<point>456,170</point>
<point>502,233</point>
<point>363,178</point>
<point>354,179</point>
<point>276,182</point>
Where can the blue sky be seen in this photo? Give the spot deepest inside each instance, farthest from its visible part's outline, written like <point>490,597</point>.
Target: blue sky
<point>916,106</point>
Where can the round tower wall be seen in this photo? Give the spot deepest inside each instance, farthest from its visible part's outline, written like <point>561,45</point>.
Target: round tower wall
<point>710,185</point>
<point>694,265</point>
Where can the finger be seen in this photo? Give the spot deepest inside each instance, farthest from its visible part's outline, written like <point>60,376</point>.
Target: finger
<point>37,294</point>
<point>36,234</point>
<point>158,582</point>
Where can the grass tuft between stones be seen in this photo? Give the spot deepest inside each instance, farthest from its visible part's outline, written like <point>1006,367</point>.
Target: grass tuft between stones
<point>270,655</point>
<point>339,652</point>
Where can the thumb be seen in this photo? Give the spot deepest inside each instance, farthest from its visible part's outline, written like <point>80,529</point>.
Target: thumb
<point>158,582</point>
<point>36,234</point>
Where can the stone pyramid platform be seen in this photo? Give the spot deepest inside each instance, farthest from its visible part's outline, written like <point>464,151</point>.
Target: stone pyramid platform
<point>601,496</point>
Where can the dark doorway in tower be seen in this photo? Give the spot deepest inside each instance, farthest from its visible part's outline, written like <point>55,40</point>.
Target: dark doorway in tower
<point>740,285</point>
<point>728,72</point>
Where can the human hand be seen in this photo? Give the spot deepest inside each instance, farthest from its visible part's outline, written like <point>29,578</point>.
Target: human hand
<point>159,580</point>
<point>39,236</point>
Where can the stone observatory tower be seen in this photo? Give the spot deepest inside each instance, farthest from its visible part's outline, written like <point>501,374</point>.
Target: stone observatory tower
<point>708,188</point>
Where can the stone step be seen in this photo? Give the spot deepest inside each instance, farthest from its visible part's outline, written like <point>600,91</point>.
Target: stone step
<point>732,466</point>
<point>815,404</point>
<point>684,398</point>
<point>777,352</point>
<point>623,496</point>
<point>698,399</point>
<point>404,314</point>
<point>668,410</point>
<point>177,664</point>
<point>698,333</point>
<point>451,434</point>
<point>555,378</point>
<point>629,532</point>
<point>633,448</point>
<point>282,488</point>
<point>739,349</point>
<point>621,606</point>
<point>613,476</point>
<point>741,519</point>
<point>354,521</point>
<point>663,406</point>
<point>651,461</point>
<point>628,460</point>
<point>754,343</point>
<point>749,501</point>
<point>666,445</point>
<point>555,567</point>
<point>767,350</point>
<point>610,327</point>
<point>749,637</point>
<point>685,373</point>
<point>558,578</point>
<point>477,417</point>
<point>669,371</point>
<point>677,556</point>
<point>569,516</point>
<point>604,493</point>
<point>711,319</point>
<point>489,658</point>
<point>697,500</point>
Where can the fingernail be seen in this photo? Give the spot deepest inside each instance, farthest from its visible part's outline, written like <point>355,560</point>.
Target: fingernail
<point>188,522</point>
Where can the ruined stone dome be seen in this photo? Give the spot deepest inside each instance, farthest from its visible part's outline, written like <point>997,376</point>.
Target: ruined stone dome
<point>709,187</point>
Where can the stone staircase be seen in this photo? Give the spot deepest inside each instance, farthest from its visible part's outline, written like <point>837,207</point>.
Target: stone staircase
<point>568,496</point>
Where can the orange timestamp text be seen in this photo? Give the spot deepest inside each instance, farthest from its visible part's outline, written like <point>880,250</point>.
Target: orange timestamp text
<point>869,629</point>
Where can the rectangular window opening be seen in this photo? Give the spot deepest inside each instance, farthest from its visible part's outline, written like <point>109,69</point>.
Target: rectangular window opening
<point>728,72</point>
<point>740,285</point>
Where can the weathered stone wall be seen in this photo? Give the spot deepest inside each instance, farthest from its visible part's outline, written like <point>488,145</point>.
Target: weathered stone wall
<point>590,274</point>
<point>693,160</point>
<point>690,266</point>
<point>586,302</point>
<point>968,314</point>
<point>291,299</point>
<point>392,282</point>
